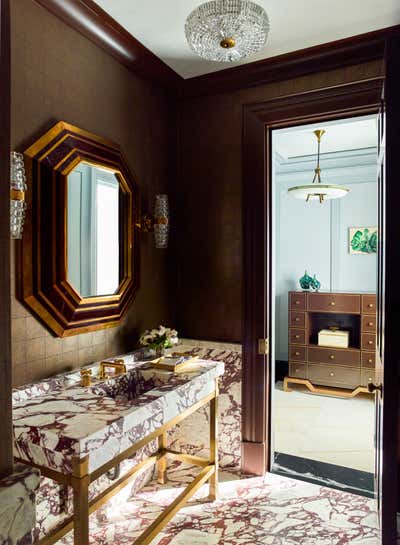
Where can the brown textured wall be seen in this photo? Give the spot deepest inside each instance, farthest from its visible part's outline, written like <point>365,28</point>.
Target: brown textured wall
<point>210,200</point>
<point>59,75</point>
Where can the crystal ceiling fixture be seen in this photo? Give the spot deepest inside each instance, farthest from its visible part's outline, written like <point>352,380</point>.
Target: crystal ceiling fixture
<point>317,190</point>
<point>227,30</point>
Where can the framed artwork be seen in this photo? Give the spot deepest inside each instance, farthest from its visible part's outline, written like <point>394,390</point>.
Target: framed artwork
<point>363,240</point>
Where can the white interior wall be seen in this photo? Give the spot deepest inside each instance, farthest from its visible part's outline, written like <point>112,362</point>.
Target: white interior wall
<point>315,237</point>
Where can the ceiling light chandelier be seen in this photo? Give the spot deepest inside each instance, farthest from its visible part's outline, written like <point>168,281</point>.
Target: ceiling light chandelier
<point>317,190</point>
<point>227,30</point>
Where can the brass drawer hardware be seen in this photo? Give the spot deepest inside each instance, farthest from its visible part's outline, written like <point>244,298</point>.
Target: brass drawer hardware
<point>263,347</point>
<point>372,388</point>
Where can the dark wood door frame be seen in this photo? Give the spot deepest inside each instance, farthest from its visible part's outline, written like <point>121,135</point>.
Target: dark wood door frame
<point>5,325</point>
<point>258,121</point>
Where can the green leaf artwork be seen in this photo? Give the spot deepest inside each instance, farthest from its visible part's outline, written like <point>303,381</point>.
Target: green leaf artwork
<point>363,240</point>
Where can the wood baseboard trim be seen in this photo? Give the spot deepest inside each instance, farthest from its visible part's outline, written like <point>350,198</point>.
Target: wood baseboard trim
<point>254,459</point>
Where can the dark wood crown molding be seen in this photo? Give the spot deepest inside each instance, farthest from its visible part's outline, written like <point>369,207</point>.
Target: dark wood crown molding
<point>94,23</point>
<point>349,51</point>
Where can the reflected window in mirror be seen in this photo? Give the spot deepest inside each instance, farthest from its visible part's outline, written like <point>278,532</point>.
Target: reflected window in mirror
<point>93,230</point>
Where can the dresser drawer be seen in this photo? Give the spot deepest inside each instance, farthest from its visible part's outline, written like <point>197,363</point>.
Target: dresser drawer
<point>332,375</point>
<point>367,376</point>
<point>297,319</point>
<point>334,302</point>
<point>368,359</point>
<point>317,354</point>
<point>298,353</point>
<point>368,324</point>
<point>298,370</point>
<point>368,341</point>
<point>297,336</point>
<point>298,301</point>
<point>369,304</point>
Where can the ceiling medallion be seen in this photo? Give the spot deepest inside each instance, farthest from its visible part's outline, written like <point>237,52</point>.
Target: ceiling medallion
<point>227,30</point>
<point>317,190</point>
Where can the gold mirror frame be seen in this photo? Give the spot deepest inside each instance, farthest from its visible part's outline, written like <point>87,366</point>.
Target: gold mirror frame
<point>42,257</point>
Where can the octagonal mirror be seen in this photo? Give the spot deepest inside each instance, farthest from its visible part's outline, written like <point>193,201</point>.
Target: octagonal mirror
<point>79,254</point>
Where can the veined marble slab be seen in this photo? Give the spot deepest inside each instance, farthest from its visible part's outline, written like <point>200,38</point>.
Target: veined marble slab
<point>17,505</point>
<point>59,420</point>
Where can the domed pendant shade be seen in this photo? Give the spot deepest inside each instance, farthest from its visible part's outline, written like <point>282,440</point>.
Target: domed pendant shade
<point>317,190</point>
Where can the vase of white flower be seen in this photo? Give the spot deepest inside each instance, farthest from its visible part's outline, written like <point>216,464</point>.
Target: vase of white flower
<point>159,339</point>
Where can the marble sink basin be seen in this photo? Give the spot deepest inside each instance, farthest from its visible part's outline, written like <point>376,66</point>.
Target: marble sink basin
<point>58,420</point>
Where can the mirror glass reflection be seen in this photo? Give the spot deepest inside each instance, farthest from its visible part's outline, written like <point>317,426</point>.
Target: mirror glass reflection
<point>93,232</point>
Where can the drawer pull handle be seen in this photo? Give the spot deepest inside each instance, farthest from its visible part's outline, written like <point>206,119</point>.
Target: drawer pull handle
<point>297,302</point>
<point>370,342</point>
<point>332,357</point>
<point>297,353</point>
<point>370,305</point>
<point>369,361</point>
<point>331,374</point>
<point>332,303</point>
<point>297,370</point>
<point>297,319</point>
<point>297,336</point>
<point>369,379</point>
<point>370,324</point>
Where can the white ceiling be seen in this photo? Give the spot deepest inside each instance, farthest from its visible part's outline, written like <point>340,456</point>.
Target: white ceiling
<point>295,24</point>
<point>342,135</point>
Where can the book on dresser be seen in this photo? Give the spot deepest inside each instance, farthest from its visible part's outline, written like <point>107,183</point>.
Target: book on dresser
<point>347,368</point>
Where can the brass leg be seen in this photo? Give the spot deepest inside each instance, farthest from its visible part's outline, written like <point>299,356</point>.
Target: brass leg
<point>80,483</point>
<point>162,462</point>
<point>214,444</point>
<point>286,385</point>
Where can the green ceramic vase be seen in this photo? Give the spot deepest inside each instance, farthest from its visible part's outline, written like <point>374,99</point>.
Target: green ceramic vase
<point>305,281</point>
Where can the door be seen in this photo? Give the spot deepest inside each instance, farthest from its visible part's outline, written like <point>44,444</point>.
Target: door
<point>388,313</point>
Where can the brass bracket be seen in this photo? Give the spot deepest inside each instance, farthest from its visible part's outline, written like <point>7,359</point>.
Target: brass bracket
<point>145,224</point>
<point>263,347</point>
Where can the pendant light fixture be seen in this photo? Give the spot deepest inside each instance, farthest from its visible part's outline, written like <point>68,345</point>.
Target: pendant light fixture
<point>227,30</point>
<point>317,190</point>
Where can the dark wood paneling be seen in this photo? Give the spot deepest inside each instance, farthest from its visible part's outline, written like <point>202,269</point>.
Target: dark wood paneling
<point>89,19</point>
<point>5,314</point>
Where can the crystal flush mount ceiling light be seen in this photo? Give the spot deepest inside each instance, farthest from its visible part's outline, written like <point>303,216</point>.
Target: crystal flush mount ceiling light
<point>227,30</point>
<point>317,190</point>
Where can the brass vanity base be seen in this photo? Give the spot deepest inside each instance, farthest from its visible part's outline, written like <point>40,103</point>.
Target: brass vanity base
<point>80,479</point>
<point>324,390</point>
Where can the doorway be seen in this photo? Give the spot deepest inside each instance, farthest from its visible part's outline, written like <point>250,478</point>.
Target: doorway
<point>324,279</point>
<point>361,98</point>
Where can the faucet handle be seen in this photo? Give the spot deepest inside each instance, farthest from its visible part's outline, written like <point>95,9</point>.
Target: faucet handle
<point>86,377</point>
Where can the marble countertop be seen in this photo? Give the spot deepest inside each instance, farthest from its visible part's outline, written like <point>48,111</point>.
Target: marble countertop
<point>57,420</point>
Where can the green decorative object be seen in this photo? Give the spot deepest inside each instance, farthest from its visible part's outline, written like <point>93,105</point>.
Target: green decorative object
<point>363,240</point>
<point>305,281</point>
<point>315,284</point>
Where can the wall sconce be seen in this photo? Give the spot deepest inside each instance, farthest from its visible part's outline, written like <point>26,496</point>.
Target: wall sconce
<point>159,223</point>
<point>17,194</point>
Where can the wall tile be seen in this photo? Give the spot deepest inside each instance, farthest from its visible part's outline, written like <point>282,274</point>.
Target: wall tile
<point>18,329</point>
<point>19,352</point>
<point>34,329</point>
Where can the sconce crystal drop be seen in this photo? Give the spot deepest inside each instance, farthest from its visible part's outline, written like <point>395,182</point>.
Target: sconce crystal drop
<point>17,194</point>
<point>161,221</point>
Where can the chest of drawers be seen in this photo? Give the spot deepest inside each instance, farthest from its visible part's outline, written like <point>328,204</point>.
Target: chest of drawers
<point>321,368</point>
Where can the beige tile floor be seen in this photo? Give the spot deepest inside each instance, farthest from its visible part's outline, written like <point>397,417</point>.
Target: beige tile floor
<point>327,429</point>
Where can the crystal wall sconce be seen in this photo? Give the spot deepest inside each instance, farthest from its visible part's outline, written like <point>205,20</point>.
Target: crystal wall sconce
<point>17,194</point>
<point>159,223</point>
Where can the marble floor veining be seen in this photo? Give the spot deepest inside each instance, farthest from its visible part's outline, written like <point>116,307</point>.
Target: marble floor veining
<point>327,429</point>
<point>270,510</point>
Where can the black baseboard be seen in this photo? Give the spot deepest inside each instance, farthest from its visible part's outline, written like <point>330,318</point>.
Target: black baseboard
<point>346,479</point>
<point>281,370</point>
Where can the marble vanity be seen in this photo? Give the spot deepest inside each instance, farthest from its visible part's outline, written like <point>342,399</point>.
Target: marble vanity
<point>74,433</point>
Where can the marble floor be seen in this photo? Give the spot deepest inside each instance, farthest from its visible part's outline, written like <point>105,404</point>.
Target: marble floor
<point>270,510</point>
<point>327,429</point>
